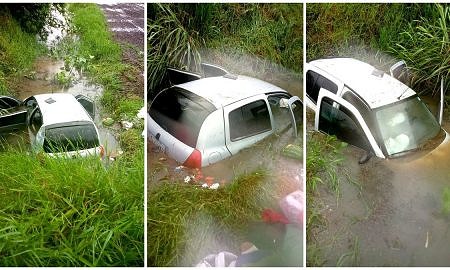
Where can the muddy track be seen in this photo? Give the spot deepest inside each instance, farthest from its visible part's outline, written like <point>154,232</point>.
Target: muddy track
<point>126,22</point>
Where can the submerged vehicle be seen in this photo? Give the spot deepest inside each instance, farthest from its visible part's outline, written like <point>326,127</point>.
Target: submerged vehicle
<point>199,120</point>
<point>58,124</point>
<point>370,109</point>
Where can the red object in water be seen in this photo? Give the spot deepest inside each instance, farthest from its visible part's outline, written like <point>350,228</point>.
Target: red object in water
<point>271,216</point>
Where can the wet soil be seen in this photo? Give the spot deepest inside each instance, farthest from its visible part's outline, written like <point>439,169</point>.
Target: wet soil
<point>126,22</point>
<point>391,209</point>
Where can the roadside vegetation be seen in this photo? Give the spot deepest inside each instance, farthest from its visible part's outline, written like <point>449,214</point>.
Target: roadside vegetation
<point>57,212</point>
<point>178,33</point>
<point>18,50</point>
<point>183,219</point>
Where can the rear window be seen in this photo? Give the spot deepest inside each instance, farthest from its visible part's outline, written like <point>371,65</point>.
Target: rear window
<point>249,120</point>
<point>70,138</point>
<point>181,113</point>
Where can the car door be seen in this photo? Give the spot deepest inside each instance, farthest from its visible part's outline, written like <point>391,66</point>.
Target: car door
<point>296,110</point>
<point>337,117</point>
<point>88,104</point>
<point>247,122</point>
<point>12,113</point>
<point>315,81</point>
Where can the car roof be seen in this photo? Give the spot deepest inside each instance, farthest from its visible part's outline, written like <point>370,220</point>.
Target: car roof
<point>60,108</point>
<point>224,90</point>
<point>374,86</point>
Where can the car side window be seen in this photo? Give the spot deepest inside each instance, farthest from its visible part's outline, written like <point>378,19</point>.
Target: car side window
<point>342,123</point>
<point>280,111</point>
<point>249,120</point>
<point>315,81</point>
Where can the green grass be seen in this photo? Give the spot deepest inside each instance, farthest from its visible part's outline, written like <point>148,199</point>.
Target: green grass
<point>179,35</point>
<point>181,217</point>
<point>339,29</point>
<point>323,158</point>
<point>102,59</point>
<point>58,212</point>
<point>273,32</point>
<point>18,50</point>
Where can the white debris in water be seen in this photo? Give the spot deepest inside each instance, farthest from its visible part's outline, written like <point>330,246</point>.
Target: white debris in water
<point>214,186</point>
<point>126,125</point>
<point>187,179</point>
<point>141,114</point>
<point>127,29</point>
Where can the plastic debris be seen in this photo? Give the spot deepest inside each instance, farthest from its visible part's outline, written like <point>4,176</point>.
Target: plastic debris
<point>187,179</point>
<point>108,121</point>
<point>209,180</point>
<point>179,168</point>
<point>222,259</point>
<point>205,185</point>
<point>214,186</point>
<point>141,114</point>
<point>162,159</point>
<point>293,207</point>
<point>126,124</point>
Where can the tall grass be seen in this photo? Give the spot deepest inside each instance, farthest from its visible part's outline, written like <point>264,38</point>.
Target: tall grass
<point>169,44</point>
<point>73,212</point>
<point>18,50</point>
<point>181,217</point>
<point>179,33</point>
<point>425,46</point>
<point>339,29</point>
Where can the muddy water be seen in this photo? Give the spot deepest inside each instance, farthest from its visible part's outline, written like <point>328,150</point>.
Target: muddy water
<point>393,212</point>
<point>264,155</point>
<point>41,80</point>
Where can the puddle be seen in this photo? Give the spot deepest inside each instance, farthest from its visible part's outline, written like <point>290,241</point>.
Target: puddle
<point>395,215</point>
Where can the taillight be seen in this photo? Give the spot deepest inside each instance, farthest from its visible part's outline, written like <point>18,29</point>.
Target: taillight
<point>102,151</point>
<point>194,160</point>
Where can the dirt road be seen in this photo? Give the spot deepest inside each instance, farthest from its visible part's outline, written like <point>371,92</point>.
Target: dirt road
<point>126,22</point>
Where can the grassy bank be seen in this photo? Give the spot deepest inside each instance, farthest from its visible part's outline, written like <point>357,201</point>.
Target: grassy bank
<point>57,212</point>
<point>18,50</point>
<point>181,35</point>
<point>98,54</point>
<point>323,158</point>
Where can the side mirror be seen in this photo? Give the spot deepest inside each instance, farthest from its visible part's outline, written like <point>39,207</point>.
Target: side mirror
<point>365,157</point>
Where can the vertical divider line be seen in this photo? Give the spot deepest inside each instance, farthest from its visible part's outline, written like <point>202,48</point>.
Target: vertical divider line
<point>145,134</point>
<point>304,132</point>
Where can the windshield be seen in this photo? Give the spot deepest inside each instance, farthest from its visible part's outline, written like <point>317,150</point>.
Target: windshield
<point>70,138</point>
<point>406,125</point>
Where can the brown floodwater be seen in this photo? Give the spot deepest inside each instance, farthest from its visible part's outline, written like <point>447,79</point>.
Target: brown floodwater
<point>391,209</point>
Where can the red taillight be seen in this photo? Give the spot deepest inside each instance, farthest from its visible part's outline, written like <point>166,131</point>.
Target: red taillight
<point>194,160</point>
<point>102,151</point>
